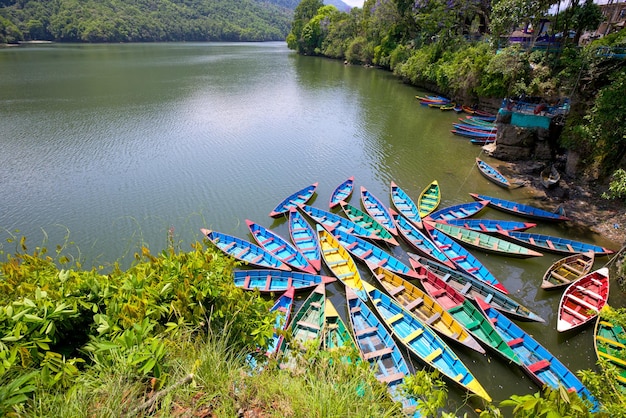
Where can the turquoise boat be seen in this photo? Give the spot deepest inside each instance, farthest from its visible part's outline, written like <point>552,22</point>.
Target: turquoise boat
<point>405,205</point>
<point>304,238</point>
<point>282,307</point>
<point>378,210</point>
<point>342,192</point>
<point>298,198</point>
<point>364,219</point>
<point>421,242</point>
<point>277,280</point>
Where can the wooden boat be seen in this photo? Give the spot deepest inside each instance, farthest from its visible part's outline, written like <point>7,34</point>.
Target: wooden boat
<point>568,269</point>
<point>482,141</point>
<point>583,299</point>
<point>472,288</point>
<point>549,177</point>
<point>490,226</point>
<point>462,210</point>
<point>432,99</point>
<point>378,347</point>
<point>466,314</point>
<point>474,128</point>
<point>468,110</point>
<point>342,192</point>
<point>423,342</point>
<point>363,219</point>
<point>298,198</point>
<point>304,238</point>
<point>425,308</point>
<point>520,209</point>
<point>282,307</point>
<point>485,242</point>
<point>463,258</point>
<point>340,262</point>
<point>474,134</point>
<point>278,280</point>
<point>372,254</point>
<point>405,205</point>
<point>449,106</point>
<point>439,105</point>
<point>243,250</point>
<point>554,244</point>
<point>543,367</point>
<point>610,345</point>
<point>332,221</point>
<point>335,334</point>
<point>279,247</point>
<point>429,199</point>
<point>421,242</point>
<point>477,121</point>
<point>492,174</point>
<point>377,210</point>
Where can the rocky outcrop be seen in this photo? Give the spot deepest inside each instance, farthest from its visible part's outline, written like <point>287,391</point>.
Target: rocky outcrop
<point>514,143</point>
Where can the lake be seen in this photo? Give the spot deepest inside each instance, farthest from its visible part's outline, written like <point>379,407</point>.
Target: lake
<point>109,147</point>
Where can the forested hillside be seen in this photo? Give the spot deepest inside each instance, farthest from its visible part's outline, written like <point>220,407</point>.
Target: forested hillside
<point>144,20</point>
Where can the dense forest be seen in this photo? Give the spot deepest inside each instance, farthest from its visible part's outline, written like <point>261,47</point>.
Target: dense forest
<point>144,20</point>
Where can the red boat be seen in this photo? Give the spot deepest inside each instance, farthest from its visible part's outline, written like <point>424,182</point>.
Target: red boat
<point>582,300</point>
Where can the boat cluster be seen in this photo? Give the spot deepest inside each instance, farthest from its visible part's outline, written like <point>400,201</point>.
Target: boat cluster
<point>443,294</point>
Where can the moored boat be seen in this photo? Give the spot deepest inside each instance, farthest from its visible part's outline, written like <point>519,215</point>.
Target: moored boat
<point>460,211</point>
<point>378,210</point>
<point>520,209</point>
<point>541,365</point>
<point>424,342</point>
<point>567,269</point>
<point>425,308</point>
<point>549,177</point>
<point>474,134</point>
<point>282,307</point>
<point>492,174</point>
<point>610,345</point>
<point>490,226</point>
<point>245,251</point>
<point>583,299</point>
<point>298,198</point>
<point>279,247</point>
<point>342,192</point>
<point>485,242</point>
<point>304,238</point>
<point>405,205</point>
<point>332,221</point>
<point>552,244</point>
<point>364,220</point>
<point>429,199</point>
<point>270,280</point>
<point>421,242</point>
<point>335,334</point>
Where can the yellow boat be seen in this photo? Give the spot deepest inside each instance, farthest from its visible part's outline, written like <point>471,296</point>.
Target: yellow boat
<point>429,199</point>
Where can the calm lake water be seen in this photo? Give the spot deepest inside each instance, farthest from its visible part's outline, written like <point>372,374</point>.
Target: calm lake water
<point>107,147</point>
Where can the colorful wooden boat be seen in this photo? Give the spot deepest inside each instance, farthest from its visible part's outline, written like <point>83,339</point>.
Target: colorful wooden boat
<point>405,205</point>
<point>423,342</point>
<point>372,254</point>
<point>449,106</point>
<point>491,226</point>
<point>554,244</point>
<point>568,269</point>
<point>485,242</point>
<point>243,250</point>
<point>520,209</point>
<point>460,211</point>
<point>377,210</point>
<point>340,262</point>
<point>610,345</point>
<point>304,238</point>
<point>378,347</point>
<point>477,121</point>
<point>429,199</point>
<point>474,135</point>
<point>279,247</point>
<point>282,307</point>
<point>335,335</point>
<point>463,258</point>
<point>298,198</point>
<point>332,221</point>
<point>421,242</point>
<point>539,363</point>
<point>475,128</point>
<point>549,177</point>
<point>342,192</point>
<point>482,141</point>
<point>583,299</point>
<point>492,174</point>
<point>278,280</point>
<point>363,219</point>
<point>466,314</point>
<point>472,288</point>
<point>425,308</point>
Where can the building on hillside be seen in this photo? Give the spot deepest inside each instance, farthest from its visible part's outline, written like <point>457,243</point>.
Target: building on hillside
<point>614,13</point>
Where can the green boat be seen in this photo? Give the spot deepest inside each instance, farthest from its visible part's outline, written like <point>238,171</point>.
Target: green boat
<point>429,199</point>
<point>364,220</point>
<point>336,336</point>
<point>610,344</point>
<point>485,242</point>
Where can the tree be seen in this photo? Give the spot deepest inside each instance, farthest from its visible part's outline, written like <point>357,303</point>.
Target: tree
<point>305,11</point>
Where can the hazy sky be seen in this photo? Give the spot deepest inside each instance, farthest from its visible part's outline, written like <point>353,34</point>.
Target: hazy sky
<point>354,3</point>
<point>564,3</point>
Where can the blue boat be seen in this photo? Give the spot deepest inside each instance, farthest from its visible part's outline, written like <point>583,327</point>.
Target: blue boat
<point>342,192</point>
<point>377,210</point>
<point>463,258</point>
<point>332,221</point>
<point>538,362</point>
<point>553,244</point>
<point>245,251</point>
<point>421,242</point>
<point>460,211</point>
<point>378,347</point>
<point>492,174</point>
<point>266,280</point>
<point>474,134</point>
<point>371,254</point>
<point>423,342</point>
<point>491,226</point>
<point>298,198</point>
<point>405,205</point>
<point>304,238</point>
<point>474,128</point>
<point>283,309</point>
<point>472,288</point>
<point>519,209</point>
<point>279,247</point>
